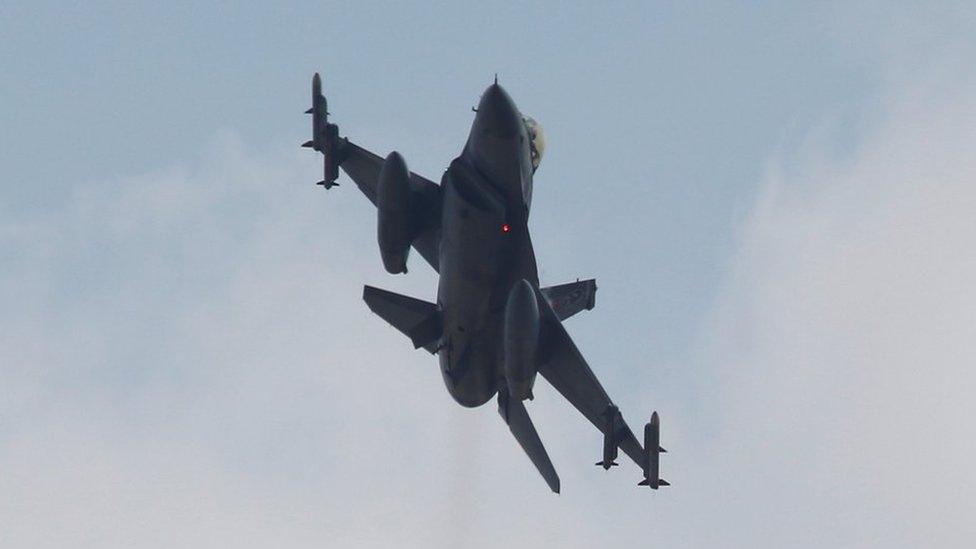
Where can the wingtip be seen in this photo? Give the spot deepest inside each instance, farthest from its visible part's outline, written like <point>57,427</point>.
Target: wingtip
<point>553,481</point>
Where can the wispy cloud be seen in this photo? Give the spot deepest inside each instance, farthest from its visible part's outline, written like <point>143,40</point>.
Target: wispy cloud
<point>186,361</point>
<point>845,345</point>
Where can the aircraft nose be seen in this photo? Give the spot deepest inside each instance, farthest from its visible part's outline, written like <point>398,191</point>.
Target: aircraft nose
<point>497,114</point>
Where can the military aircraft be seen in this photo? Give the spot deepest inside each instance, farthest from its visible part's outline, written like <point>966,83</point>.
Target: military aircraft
<point>492,327</point>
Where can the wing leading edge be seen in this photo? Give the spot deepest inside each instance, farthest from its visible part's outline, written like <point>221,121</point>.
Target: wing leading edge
<point>363,167</point>
<point>561,363</point>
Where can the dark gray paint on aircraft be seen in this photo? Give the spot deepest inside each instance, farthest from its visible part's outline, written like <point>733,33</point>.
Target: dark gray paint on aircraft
<point>492,327</point>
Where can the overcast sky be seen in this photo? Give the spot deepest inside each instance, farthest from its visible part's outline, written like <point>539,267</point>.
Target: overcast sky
<point>776,202</point>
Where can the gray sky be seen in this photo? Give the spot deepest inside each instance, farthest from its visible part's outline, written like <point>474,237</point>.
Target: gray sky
<point>776,203</point>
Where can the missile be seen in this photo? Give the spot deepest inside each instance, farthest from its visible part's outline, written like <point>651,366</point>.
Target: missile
<point>652,453</point>
<point>319,112</point>
<point>325,136</point>
<point>610,438</point>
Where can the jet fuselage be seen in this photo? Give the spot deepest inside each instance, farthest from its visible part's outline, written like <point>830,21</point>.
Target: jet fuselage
<point>493,328</point>
<point>485,246</point>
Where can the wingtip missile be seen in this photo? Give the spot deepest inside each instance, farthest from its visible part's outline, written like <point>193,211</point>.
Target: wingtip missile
<point>325,136</point>
<point>652,453</point>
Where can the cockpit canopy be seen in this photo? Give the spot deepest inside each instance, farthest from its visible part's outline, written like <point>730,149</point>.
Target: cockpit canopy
<point>537,140</point>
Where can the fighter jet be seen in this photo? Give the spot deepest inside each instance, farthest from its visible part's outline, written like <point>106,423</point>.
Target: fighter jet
<point>492,327</point>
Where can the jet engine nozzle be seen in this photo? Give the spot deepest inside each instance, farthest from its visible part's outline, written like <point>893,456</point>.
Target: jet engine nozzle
<point>394,203</point>
<point>521,339</point>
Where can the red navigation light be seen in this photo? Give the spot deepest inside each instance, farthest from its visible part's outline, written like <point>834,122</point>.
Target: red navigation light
<point>506,228</point>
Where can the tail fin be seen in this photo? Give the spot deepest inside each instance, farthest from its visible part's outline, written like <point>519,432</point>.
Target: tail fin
<point>416,319</point>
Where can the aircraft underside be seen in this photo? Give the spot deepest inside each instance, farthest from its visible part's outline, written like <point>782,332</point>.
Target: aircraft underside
<point>493,328</point>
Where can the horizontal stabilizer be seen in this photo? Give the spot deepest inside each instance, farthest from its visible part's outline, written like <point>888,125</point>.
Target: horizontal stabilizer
<point>568,299</point>
<point>417,319</point>
<point>662,482</point>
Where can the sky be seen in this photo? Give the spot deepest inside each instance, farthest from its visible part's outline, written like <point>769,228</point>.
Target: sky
<point>776,201</point>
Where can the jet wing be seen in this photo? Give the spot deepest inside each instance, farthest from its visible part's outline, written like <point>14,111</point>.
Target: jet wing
<point>561,363</point>
<point>363,167</point>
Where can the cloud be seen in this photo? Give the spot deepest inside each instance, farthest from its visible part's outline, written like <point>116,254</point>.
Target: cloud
<point>172,341</point>
<point>844,346</point>
<point>186,361</point>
